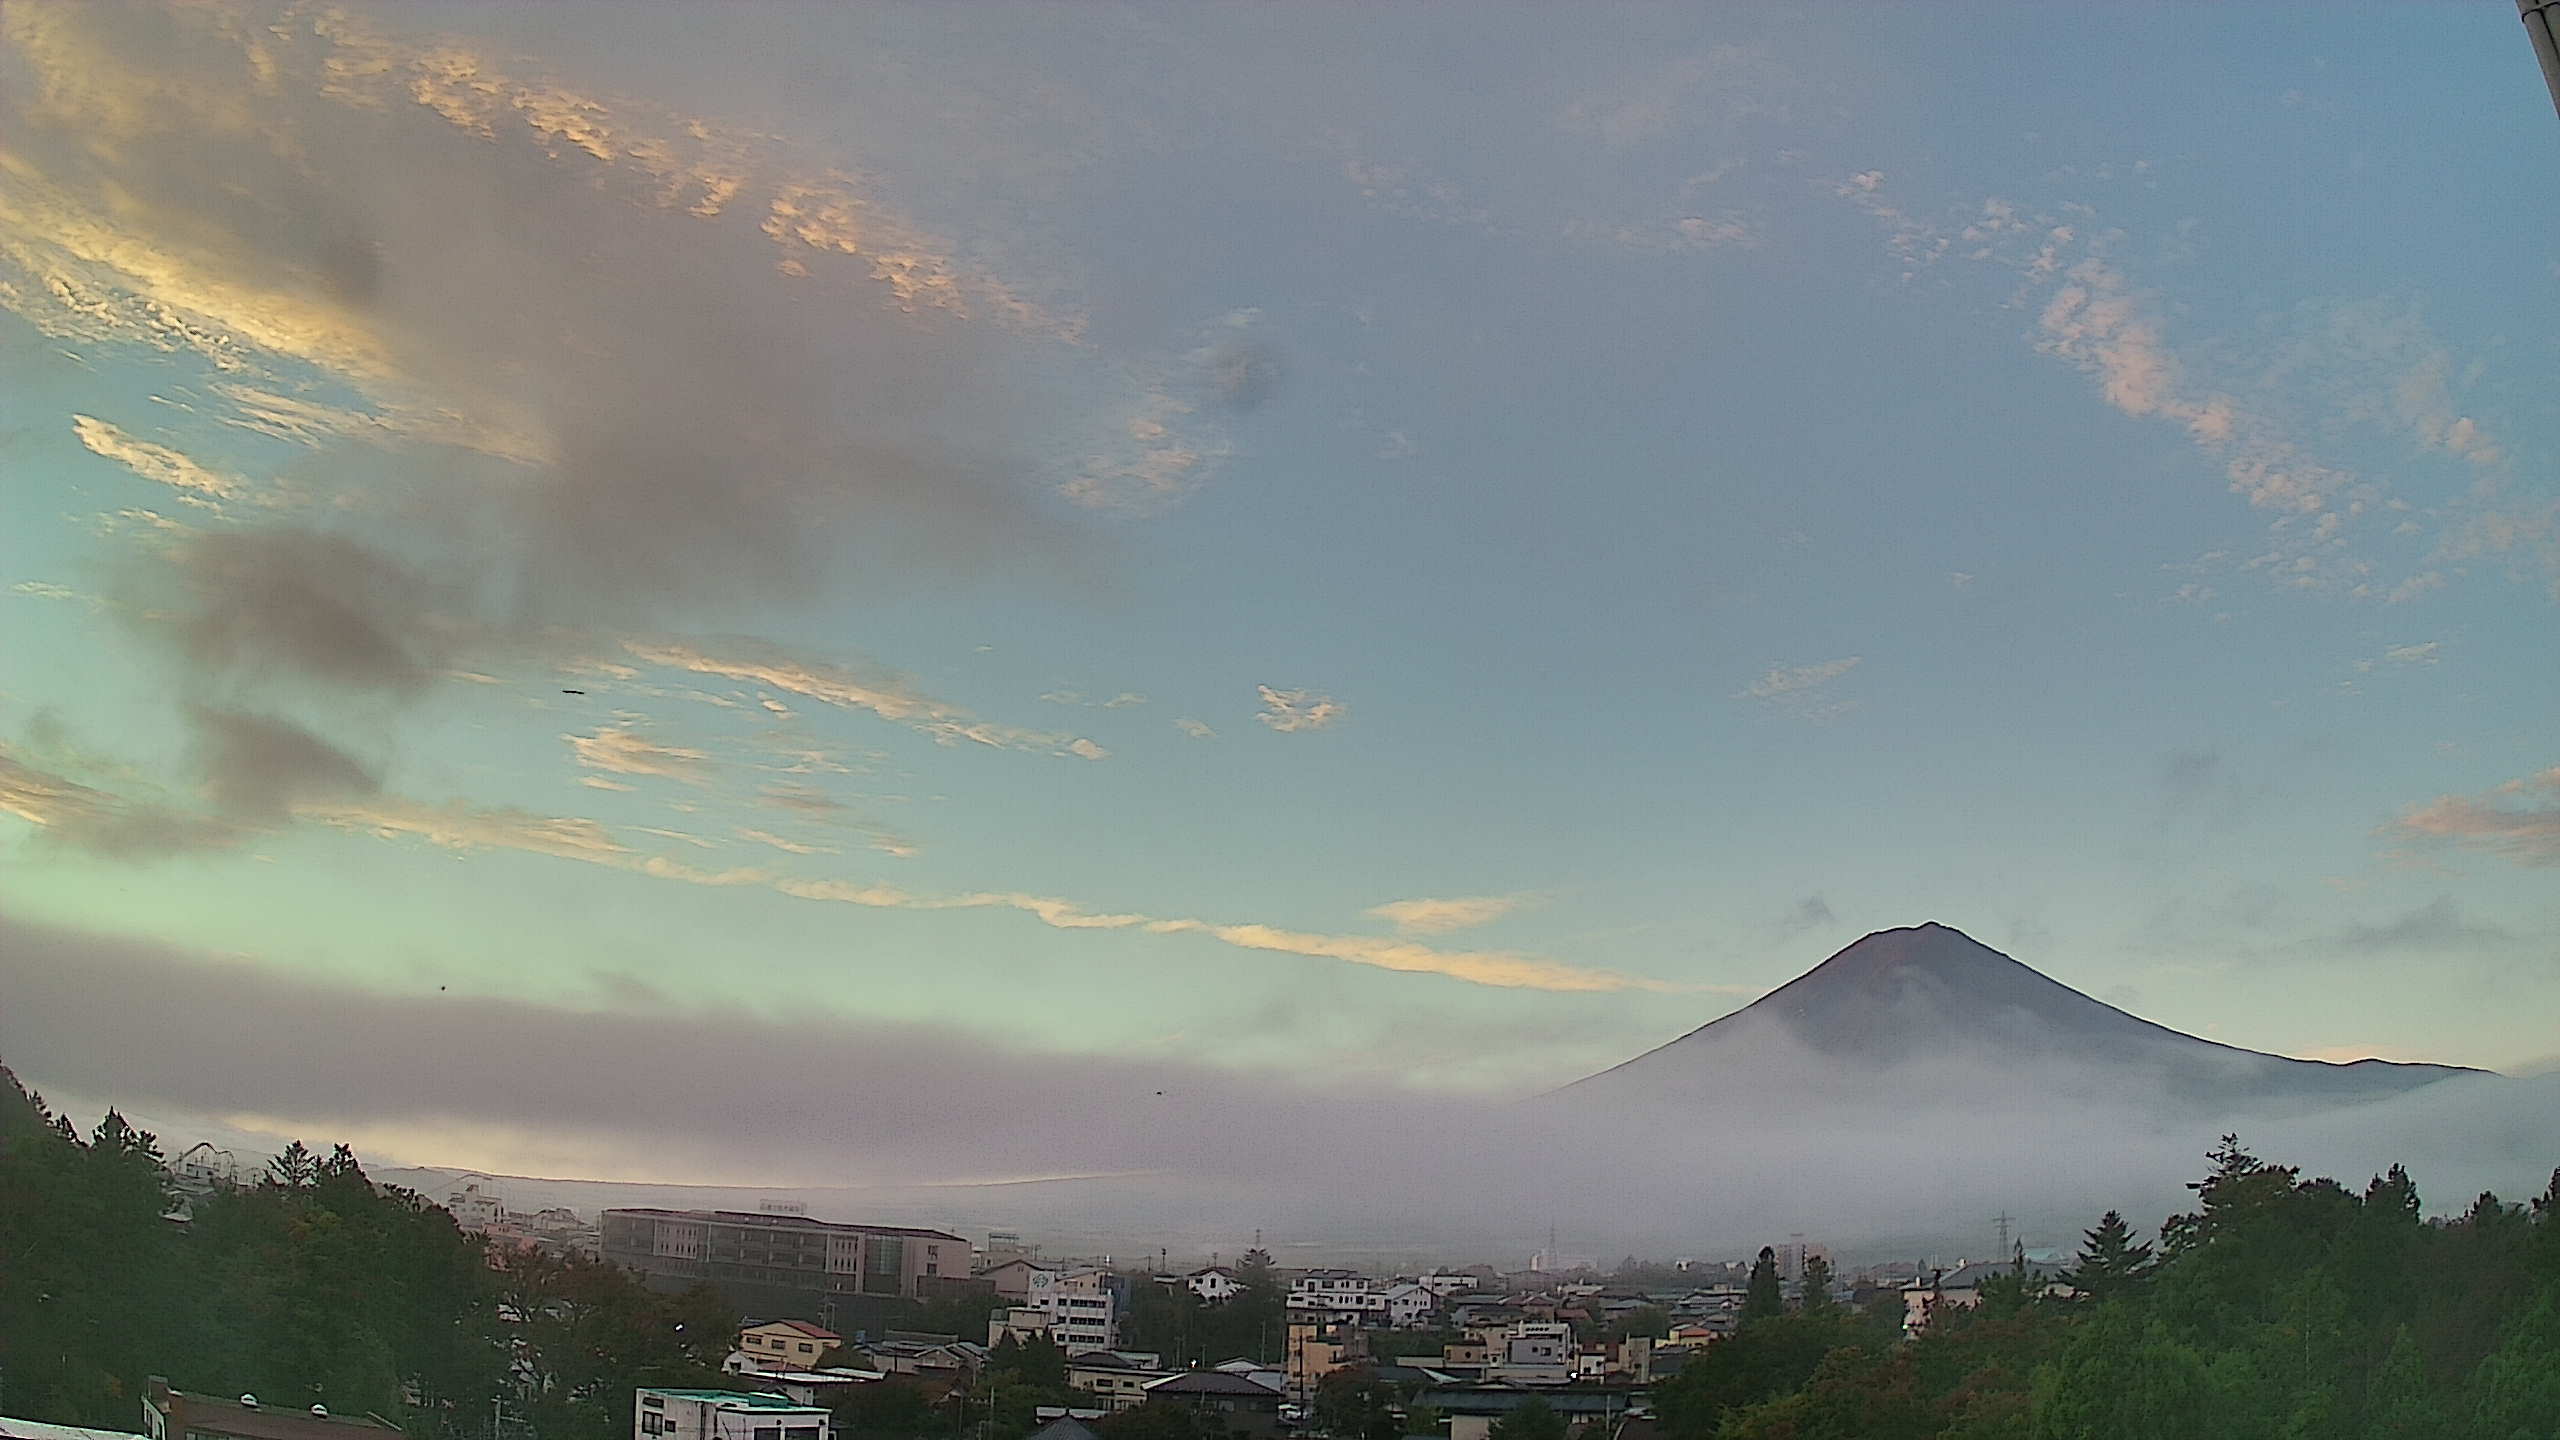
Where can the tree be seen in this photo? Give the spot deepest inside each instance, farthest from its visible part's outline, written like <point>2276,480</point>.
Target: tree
<point>1159,1419</point>
<point>2111,1262</point>
<point>1354,1404</point>
<point>1762,1298</point>
<point>1648,1320</point>
<point>1817,1285</point>
<point>1533,1419</point>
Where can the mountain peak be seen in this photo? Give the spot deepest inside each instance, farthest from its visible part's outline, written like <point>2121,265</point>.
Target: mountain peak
<point>1932,992</point>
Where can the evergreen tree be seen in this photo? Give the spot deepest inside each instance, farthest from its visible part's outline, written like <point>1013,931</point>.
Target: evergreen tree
<point>1817,1285</point>
<point>2111,1262</point>
<point>1533,1419</point>
<point>1761,1297</point>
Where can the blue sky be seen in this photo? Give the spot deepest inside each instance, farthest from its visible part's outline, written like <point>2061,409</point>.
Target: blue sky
<point>1069,521</point>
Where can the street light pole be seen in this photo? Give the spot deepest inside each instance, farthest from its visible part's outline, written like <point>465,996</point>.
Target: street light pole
<point>2541,20</point>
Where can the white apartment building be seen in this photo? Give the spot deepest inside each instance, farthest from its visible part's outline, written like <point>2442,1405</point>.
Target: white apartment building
<point>1084,1310</point>
<point>1341,1295</point>
<point>724,1415</point>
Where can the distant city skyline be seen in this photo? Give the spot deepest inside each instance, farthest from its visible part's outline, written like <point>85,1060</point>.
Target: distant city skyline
<point>1149,557</point>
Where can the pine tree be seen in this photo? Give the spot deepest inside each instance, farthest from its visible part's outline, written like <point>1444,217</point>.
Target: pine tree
<point>2111,1264</point>
<point>1762,1297</point>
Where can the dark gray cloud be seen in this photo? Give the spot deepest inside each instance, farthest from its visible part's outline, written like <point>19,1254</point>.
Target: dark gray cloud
<point>256,768</point>
<point>248,609</point>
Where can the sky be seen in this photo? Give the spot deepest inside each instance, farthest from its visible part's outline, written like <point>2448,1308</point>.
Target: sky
<point>1310,550</point>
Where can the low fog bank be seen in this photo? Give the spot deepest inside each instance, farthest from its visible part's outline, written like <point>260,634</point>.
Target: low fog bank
<point>918,1124</point>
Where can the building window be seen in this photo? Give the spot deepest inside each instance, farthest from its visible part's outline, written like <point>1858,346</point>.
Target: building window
<point>768,1432</point>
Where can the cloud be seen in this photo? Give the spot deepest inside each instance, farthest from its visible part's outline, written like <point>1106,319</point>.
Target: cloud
<point>1124,700</point>
<point>642,1089</point>
<point>2518,821</point>
<point>2437,925</point>
<point>1794,680</point>
<point>1439,917</point>
<point>884,693</point>
<point>250,606</point>
<point>2424,654</point>
<point>84,818</point>
<point>1808,913</point>
<point>1802,690</point>
<point>1196,729</point>
<point>789,846</point>
<point>623,751</point>
<point>156,463</point>
<point>260,769</point>
<point>1288,711</point>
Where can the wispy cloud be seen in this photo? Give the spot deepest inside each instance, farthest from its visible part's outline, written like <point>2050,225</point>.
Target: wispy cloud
<point>1439,917</point>
<point>2425,653</point>
<point>2436,925</point>
<point>886,694</point>
<point>1292,710</point>
<point>624,751</point>
<point>1196,729</point>
<point>2518,821</point>
<point>156,463</point>
<point>1803,690</point>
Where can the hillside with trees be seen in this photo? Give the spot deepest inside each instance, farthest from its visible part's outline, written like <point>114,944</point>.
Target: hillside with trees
<point>2279,1307</point>
<point>312,1285</point>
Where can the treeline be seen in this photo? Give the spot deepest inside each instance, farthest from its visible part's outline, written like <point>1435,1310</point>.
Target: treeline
<point>2279,1308</point>
<point>1172,1321</point>
<point>313,1285</point>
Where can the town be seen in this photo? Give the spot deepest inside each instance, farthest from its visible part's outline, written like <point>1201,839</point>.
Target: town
<point>199,1299</point>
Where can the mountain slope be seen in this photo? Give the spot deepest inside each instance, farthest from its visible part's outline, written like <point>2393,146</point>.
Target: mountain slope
<point>1938,1010</point>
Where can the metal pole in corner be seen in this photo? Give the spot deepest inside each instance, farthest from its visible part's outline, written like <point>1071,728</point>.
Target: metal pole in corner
<point>2541,18</point>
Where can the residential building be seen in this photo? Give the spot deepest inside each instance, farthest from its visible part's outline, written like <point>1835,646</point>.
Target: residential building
<point>1020,1323</point>
<point>1473,1409</point>
<point>1257,1372</point>
<point>1215,1284</point>
<point>821,1388</point>
<point>1021,1280</point>
<point>1234,1403</point>
<point>1961,1288</point>
<point>777,1345</point>
<point>473,1209</point>
<point>1448,1282</point>
<point>736,1248</point>
<point>1332,1295</point>
<point>1118,1377</point>
<point>1536,1352</point>
<point>1084,1310</point>
<point>1065,1427</point>
<point>724,1415</point>
<point>202,1167</point>
<point>177,1415</point>
<point>1407,1305</point>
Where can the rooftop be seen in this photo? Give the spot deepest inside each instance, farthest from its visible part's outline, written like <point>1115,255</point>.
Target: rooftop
<point>1212,1382</point>
<point>39,1430</point>
<point>215,1415</point>
<point>736,1399</point>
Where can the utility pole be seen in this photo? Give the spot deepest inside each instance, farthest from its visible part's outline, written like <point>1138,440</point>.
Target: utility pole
<point>2541,20</point>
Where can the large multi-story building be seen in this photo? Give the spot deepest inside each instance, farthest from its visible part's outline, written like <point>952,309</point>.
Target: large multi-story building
<point>741,1252</point>
<point>1084,1310</point>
